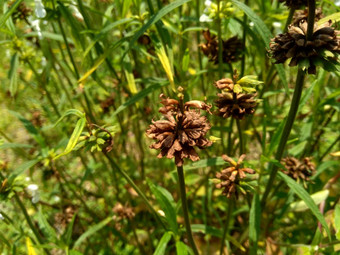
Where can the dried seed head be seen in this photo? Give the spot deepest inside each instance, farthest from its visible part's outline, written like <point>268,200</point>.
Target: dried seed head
<point>300,15</point>
<point>232,48</point>
<point>295,45</point>
<point>225,83</point>
<point>123,212</point>
<point>180,131</point>
<point>231,176</point>
<point>21,12</point>
<point>298,170</point>
<point>296,4</point>
<point>235,105</point>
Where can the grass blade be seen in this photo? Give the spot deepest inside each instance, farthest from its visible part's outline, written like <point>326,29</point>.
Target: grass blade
<point>160,250</point>
<point>254,224</point>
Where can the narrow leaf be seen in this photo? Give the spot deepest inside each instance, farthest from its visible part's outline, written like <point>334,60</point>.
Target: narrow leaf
<point>317,197</point>
<point>8,14</point>
<point>22,168</point>
<point>335,17</point>
<point>92,230</point>
<point>254,224</point>
<point>29,246</point>
<point>160,250</point>
<point>181,248</point>
<point>166,205</point>
<point>13,74</point>
<point>298,190</point>
<point>337,221</point>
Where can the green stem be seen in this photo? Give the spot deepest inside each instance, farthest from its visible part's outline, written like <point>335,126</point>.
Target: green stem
<point>286,131</point>
<point>226,226</point>
<point>198,43</point>
<point>220,45</point>
<point>230,145</point>
<point>239,129</point>
<point>289,19</point>
<point>29,221</point>
<point>243,60</point>
<point>134,186</point>
<point>185,208</point>
<point>311,19</point>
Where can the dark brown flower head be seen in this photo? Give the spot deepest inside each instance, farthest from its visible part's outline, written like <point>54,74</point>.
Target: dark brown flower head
<point>300,15</point>
<point>232,48</point>
<point>298,170</point>
<point>235,105</point>
<point>231,176</point>
<point>294,45</point>
<point>181,130</point>
<point>296,4</point>
<point>21,12</point>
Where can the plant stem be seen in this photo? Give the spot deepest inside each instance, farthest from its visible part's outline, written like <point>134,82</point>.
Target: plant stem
<point>289,19</point>
<point>239,129</point>
<point>220,45</point>
<point>311,19</point>
<point>229,136</point>
<point>226,226</point>
<point>243,60</point>
<point>134,186</point>
<point>185,208</point>
<point>286,131</point>
<point>198,43</point>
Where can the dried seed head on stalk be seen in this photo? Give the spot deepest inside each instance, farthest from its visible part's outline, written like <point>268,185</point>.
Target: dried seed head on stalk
<point>21,12</point>
<point>232,48</point>
<point>230,177</point>
<point>321,50</point>
<point>300,15</point>
<point>181,130</point>
<point>298,170</point>
<point>296,4</point>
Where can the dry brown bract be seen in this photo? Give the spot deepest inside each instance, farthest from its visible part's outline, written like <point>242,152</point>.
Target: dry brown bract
<point>297,169</point>
<point>181,130</point>
<point>232,48</point>
<point>231,176</point>
<point>294,45</point>
<point>296,4</point>
<point>300,15</point>
<point>235,105</point>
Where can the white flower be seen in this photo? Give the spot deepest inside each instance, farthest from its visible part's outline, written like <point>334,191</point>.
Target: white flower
<point>207,3</point>
<point>337,3</point>
<point>251,24</point>
<point>32,187</point>
<point>36,25</point>
<point>40,11</point>
<point>277,24</point>
<point>205,18</point>
<point>33,190</point>
<point>76,12</point>
<point>1,217</point>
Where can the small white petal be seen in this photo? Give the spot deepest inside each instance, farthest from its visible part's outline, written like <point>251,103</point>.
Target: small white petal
<point>207,3</point>
<point>205,18</point>
<point>251,24</point>
<point>277,24</point>
<point>32,187</point>
<point>40,11</point>
<point>1,217</point>
<point>161,213</point>
<point>35,198</point>
<point>337,3</point>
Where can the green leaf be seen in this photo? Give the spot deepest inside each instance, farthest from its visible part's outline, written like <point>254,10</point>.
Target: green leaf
<point>70,112</point>
<point>156,17</point>
<point>46,228</point>
<point>8,14</point>
<point>265,34</point>
<point>276,138</point>
<point>160,250</point>
<point>186,60</point>
<point>13,75</point>
<point>22,168</point>
<point>298,190</point>
<point>67,236</point>
<point>30,128</point>
<point>205,163</point>
<point>74,137</point>
<point>15,145</point>
<point>92,230</point>
<point>337,221</point>
<point>126,7</point>
<point>181,248</point>
<point>254,224</point>
<point>141,94</point>
<point>165,201</point>
<point>317,197</point>
<point>335,17</point>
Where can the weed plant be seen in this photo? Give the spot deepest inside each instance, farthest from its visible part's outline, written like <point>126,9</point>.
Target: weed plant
<point>169,127</point>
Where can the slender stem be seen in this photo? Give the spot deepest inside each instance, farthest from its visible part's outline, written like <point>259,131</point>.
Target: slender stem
<point>198,43</point>
<point>286,131</point>
<point>239,129</point>
<point>185,208</point>
<point>230,145</point>
<point>243,60</point>
<point>220,45</point>
<point>29,221</point>
<point>226,226</point>
<point>134,186</point>
<point>329,148</point>
<point>311,19</point>
<point>289,19</point>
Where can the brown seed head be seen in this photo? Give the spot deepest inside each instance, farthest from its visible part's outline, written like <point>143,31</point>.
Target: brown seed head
<point>230,176</point>
<point>300,15</point>
<point>295,45</point>
<point>123,212</point>
<point>181,130</point>
<point>297,169</point>
<point>296,4</point>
